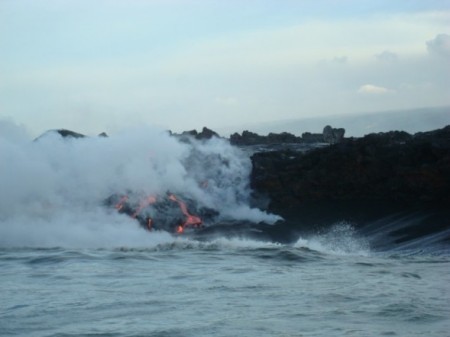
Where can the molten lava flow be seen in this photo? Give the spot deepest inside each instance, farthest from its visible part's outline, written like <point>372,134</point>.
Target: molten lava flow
<point>191,220</point>
<point>140,212</point>
<point>121,202</point>
<point>149,224</point>
<point>144,203</point>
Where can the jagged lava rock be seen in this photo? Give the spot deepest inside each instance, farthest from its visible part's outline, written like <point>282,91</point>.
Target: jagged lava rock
<point>329,135</point>
<point>386,170</point>
<point>204,134</point>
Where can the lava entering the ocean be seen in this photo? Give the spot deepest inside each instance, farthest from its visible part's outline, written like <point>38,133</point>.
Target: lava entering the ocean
<point>190,220</point>
<point>169,213</point>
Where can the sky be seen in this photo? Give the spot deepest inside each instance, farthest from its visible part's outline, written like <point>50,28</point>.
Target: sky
<point>105,65</point>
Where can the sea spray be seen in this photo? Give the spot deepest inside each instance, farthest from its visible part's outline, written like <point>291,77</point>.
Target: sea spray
<point>339,239</point>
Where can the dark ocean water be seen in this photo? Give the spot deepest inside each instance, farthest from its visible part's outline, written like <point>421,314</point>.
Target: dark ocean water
<point>225,287</point>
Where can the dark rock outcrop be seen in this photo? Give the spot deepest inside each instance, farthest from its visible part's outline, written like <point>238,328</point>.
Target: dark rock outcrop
<point>357,179</point>
<point>309,137</point>
<point>69,134</point>
<point>63,133</point>
<point>251,138</point>
<point>207,134</point>
<point>204,134</point>
<point>329,135</point>
<point>246,138</point>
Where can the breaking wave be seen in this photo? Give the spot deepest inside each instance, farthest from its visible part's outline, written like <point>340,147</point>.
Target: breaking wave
<point>340,239</point>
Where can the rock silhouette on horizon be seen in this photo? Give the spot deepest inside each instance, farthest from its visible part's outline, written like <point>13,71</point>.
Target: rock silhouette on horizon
<point>329,135</point>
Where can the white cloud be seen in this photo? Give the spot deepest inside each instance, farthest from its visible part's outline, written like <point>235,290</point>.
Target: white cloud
<point>440,45</point>
<point>374,90</point>
<point>188,80</point>
<point>308,42</point>
<point>387,56</point>
<point>340,59</point>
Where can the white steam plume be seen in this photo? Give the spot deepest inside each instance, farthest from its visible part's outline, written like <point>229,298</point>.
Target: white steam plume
<point>53,189</point>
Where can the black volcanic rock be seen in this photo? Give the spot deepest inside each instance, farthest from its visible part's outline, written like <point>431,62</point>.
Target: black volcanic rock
<point>63,133</point>
<point>329,135</point>
<point>377,174</point>
<point>192,133</point>
<point>309,137</point>
<point>246,138</point>
<point>251,138</point>
<point>68,133</point>
<point>204,134</point>
<point>284,137</point>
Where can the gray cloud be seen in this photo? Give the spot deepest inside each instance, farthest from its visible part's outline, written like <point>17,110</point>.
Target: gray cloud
<point>387,56</point>
<point>340,59</point>
<point>440,45</point>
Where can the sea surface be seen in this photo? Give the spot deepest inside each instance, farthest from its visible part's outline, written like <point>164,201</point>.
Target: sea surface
<point>178,286</point>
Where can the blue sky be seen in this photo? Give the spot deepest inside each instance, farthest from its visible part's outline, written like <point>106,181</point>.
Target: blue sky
<point>97,66</point>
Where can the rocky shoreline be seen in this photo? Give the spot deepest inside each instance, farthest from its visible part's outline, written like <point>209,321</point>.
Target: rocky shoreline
<point>392,175</point>
<point>393,166</point>
<point>361,181</point>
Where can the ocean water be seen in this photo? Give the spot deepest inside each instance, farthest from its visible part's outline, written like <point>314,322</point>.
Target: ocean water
<point>72,265</point>
<point>177,286</point>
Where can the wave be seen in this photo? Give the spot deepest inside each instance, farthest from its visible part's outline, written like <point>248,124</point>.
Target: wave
<point>339,239</point>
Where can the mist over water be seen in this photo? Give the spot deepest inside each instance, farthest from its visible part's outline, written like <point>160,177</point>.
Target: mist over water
<point>54,188</point>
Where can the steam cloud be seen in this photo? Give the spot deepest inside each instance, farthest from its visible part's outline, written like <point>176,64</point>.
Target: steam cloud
<point>53,188</point>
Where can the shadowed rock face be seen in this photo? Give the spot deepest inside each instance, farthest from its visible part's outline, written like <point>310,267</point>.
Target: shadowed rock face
<point>204,134</point>
<point>333,136</point>
<point>357,179</point>
<point>67,133</point>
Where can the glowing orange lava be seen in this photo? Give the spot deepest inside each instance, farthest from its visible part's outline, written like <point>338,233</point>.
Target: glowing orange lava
<point>124,206</point>
<point>121,202</point>
<point>149,224</point>
<point>191,220</point>
<point>146,202</point>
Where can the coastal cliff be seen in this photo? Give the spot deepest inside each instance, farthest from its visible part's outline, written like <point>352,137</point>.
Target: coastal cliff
<point>360,181</point>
